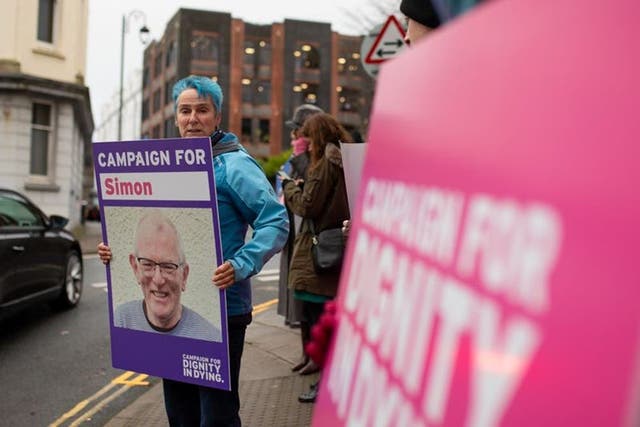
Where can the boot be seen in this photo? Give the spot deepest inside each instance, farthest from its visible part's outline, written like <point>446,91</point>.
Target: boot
<point>309,368</point>
<point>303,362</point>
<point>305,336</point>
<point>309,396</point>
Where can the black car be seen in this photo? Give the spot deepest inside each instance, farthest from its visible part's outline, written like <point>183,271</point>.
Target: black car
<point>39,259</point>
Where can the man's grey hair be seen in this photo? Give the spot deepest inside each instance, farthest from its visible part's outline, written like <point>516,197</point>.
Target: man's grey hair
<point>155,221</point>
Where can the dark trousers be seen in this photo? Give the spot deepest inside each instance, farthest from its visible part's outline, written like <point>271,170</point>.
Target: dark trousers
<point>312,312</point>
<point>190,405</point>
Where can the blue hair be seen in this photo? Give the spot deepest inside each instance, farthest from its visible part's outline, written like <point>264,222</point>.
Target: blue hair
<point>205,87</point>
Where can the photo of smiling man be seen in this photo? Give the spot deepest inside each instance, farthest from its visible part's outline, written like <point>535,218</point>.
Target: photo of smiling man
<point>161,270</point>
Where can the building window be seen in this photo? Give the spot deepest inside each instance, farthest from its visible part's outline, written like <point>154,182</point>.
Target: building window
<point>205,53</point>
<point>145,109</point>
<point>349,100</point>
<point>263,93</point>
<point>249,59</point>
<point>246,131</point>
<point>247,91</point>
<point>156,132</point>
<point>204,47</point>
<point>145,77</point>
<point>348,62</point>
<point>263,128</point>
<point>170,57</point>
<point>157,67</point>
<point>264,57</point>
<point>156,100</point>
<point>169,128</point>
<point>41,131</point>
<point>46,12</point>
<point>168,96</point>
<point>307,93</point>
<point>307,57</point>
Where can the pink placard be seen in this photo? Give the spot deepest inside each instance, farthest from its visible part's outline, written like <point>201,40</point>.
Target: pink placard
<point>492,275</point>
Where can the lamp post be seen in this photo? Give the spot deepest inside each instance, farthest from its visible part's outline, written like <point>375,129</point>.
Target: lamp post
<point>143,34</point>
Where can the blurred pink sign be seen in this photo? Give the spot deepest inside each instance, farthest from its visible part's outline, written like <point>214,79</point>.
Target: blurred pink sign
<point>492,274</point>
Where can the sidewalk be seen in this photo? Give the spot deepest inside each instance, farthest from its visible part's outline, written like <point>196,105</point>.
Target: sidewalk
<point>90,236</point>
<point>268,389</point>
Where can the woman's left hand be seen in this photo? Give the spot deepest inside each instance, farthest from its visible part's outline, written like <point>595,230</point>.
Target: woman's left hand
<point>224,276</point>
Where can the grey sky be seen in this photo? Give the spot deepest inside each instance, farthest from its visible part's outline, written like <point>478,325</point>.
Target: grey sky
<point>105,20</point>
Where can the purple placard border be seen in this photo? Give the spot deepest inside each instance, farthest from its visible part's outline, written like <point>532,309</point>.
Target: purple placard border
<point>163,355</point>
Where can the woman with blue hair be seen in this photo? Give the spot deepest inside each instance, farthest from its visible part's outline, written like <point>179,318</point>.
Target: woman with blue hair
<point>245,198</point>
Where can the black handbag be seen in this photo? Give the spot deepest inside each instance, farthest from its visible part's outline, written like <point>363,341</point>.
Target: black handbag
<point>327,250</point>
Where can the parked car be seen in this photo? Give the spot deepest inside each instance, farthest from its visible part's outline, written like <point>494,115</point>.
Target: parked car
<point>39,259</point>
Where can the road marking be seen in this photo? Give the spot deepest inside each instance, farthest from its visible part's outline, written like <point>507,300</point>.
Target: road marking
<point>98,407</point>
<point>122,380</point>
<point>267,278</point>
<point>264,306</point>
<point>90,256</point>
<point>99,285</point>
<point>136,381</point>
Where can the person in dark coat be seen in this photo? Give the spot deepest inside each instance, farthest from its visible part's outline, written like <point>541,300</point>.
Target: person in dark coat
<point>296,167</point>
<point>322,203</point>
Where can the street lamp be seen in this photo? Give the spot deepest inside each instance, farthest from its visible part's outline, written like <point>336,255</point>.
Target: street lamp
<point>144,38</point>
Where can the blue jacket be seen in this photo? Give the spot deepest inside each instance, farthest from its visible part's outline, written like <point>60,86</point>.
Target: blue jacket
<point>245,198</point>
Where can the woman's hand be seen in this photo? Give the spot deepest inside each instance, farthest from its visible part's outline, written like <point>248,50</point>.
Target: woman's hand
<point>104,252</point>
<point>299,182</point>
<point>346,227</point>
<point>224,276</point>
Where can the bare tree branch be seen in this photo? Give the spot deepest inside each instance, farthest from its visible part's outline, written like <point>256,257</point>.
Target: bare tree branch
<point>374,13</point>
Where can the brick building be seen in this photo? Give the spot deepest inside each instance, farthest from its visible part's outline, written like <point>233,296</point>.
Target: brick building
<point>265,71</point>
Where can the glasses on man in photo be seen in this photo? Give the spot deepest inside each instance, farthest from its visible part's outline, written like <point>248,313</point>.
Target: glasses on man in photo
<point>149,266</point>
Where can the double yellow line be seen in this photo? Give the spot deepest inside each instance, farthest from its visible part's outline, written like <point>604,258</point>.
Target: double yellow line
<point>264,306</point>
<point>126,382</point>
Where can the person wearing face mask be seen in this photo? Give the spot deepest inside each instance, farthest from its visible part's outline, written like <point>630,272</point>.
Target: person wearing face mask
<point>295,168</point>
<point>245,199</point>
<point>322,204</point>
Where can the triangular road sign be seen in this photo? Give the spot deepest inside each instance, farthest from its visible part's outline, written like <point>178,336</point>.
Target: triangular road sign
<point>389,43</point>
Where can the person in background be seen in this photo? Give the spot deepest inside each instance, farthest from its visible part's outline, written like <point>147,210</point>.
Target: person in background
<point>322,204</point>
<point>295,168</point>
<point>245,198</point>
<point>422,18</point>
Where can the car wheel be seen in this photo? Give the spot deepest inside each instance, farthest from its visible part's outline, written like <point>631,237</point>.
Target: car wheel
<point>72,287</point>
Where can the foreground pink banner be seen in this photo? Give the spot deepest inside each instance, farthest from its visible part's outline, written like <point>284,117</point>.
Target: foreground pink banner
<point>492,276</point>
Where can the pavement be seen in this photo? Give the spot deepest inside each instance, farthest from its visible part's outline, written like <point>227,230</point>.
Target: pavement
<point>268,389</point>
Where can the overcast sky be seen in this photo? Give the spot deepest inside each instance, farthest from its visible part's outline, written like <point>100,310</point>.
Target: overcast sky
<point>105,23</point>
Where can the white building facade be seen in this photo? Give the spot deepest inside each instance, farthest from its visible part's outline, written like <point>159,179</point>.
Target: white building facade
<point>45,112</point>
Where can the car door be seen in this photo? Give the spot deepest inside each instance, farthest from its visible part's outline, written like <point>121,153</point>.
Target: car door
<point>29,266</point>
